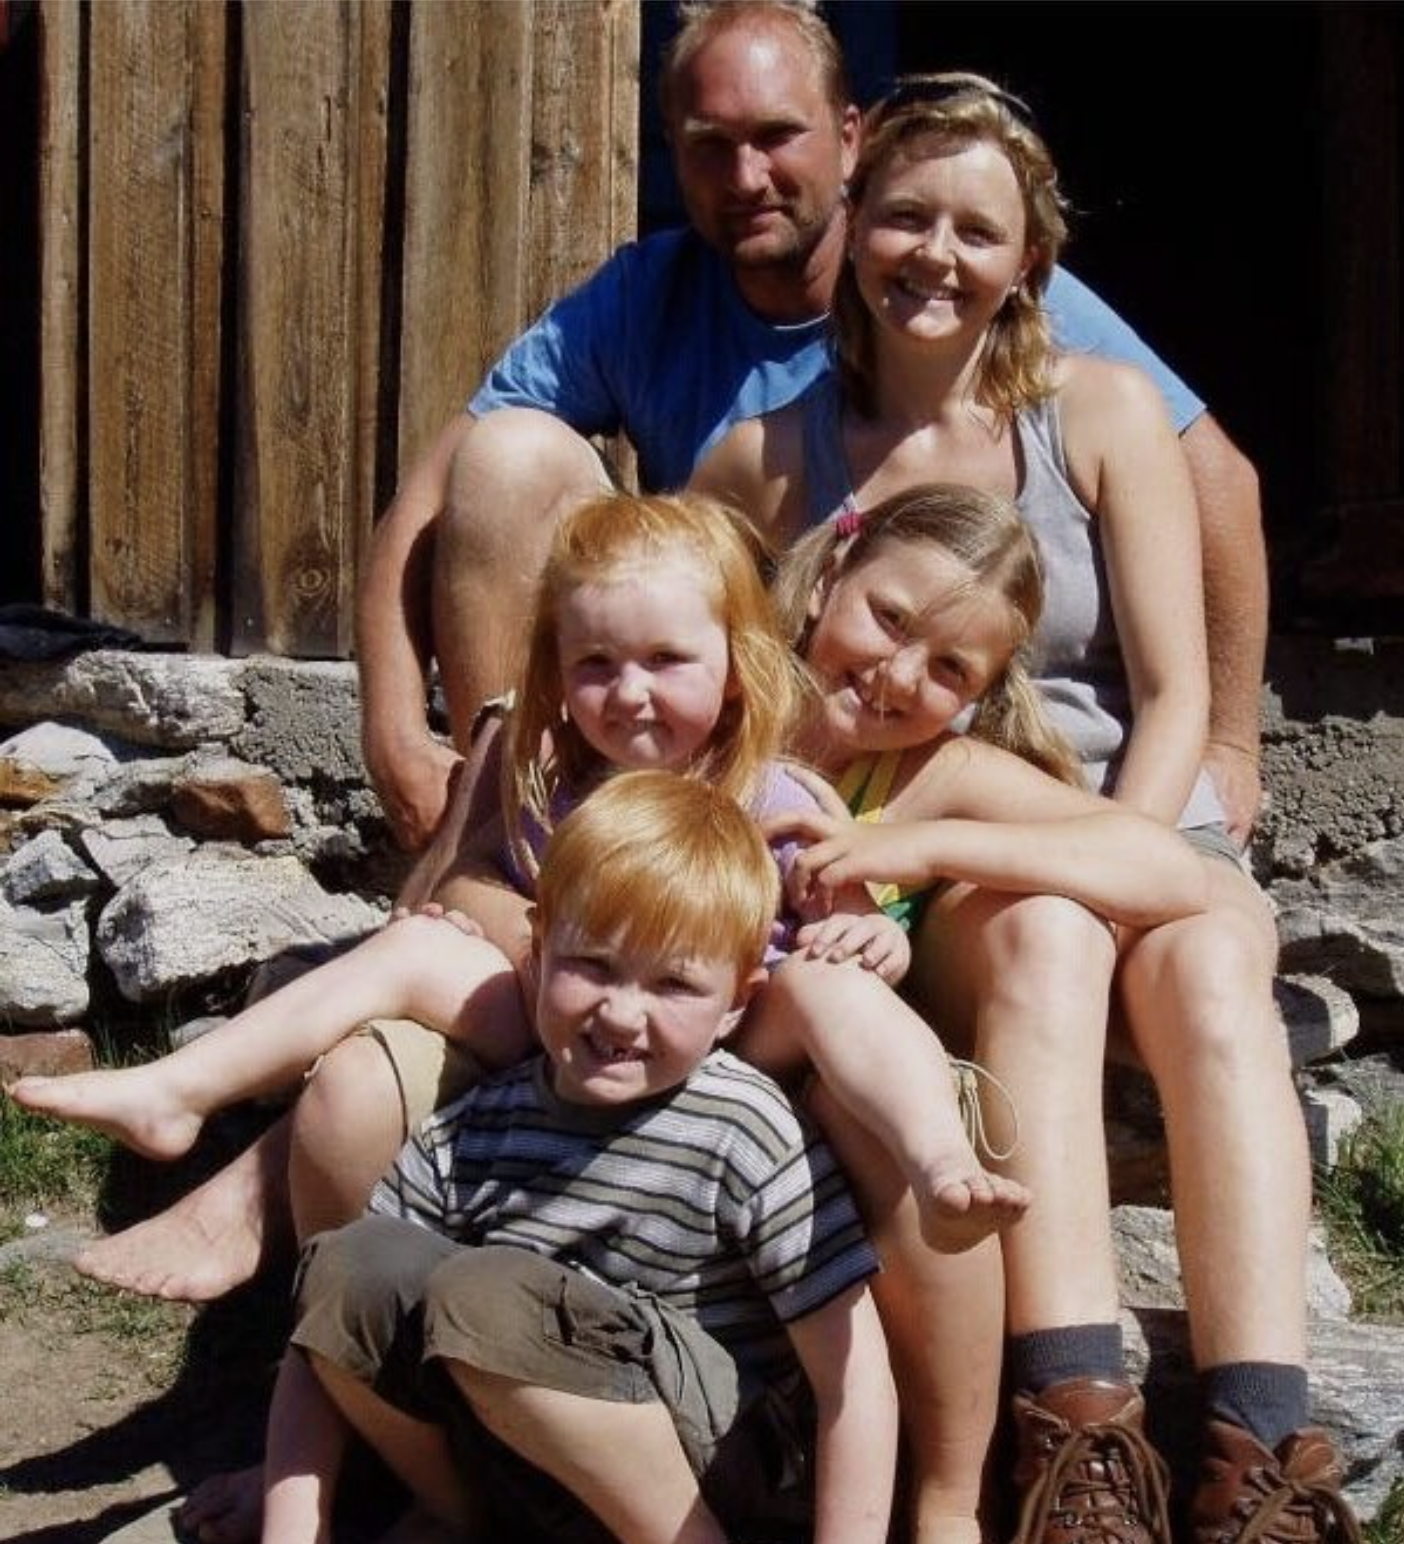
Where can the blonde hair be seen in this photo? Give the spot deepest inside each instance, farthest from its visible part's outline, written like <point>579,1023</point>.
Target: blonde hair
<point>952,112</point>
<point>668,865</point>
<point>985,534</point>
<point>599,541</point>
<point>702,20</point>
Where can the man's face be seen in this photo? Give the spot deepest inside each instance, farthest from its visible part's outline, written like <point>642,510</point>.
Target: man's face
<point>760,153</point>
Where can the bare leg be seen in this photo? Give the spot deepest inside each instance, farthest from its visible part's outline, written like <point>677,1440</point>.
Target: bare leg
<point>598,1449</point>
<point>210,1241</point>
<point>306,1446</point>
<point>346,1130</point>
<point>886,1067</point>
<point>415,967</point>
<point>1198,995</point>
<point>1030,976</point>
<point>516,472</point>
<point>944,1320</point>
<point>416,1451</point>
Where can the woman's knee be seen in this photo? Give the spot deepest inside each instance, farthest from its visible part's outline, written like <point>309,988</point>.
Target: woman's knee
<point>1204,986</point>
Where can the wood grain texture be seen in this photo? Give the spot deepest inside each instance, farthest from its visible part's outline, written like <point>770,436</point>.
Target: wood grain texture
<point>60,289</point>
<point>310,222</point>
<point>155,168</point>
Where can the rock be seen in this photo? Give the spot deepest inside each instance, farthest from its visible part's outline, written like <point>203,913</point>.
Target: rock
<point>58,750</point>
<point>21,784</point>
<point>169,700</point>
<point>51,1053</point>
<point>46,868</point>
<point>225,799</point>
<point>1148,1264</point>
<point>1346,919</point>
<point>178,923</point>
<point>43,964</point>
<point>121,849</point>
<point>1320,1017</point>
<point>304,720</point>
<point>1331,1116</point>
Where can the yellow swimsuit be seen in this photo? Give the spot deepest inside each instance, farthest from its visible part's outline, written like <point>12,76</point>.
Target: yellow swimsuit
<point>864,787</point>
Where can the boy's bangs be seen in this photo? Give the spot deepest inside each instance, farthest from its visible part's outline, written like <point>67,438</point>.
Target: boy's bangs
<point>670,910</point>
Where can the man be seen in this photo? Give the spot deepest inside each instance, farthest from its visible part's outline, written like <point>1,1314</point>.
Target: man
<point>674,339</point>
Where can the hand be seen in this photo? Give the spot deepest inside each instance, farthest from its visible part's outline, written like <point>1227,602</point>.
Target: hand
<point>414,787</point>
<point>846,852</point>
<point>1238,781</point>
<point>872,938</point>
<point>460,919</point>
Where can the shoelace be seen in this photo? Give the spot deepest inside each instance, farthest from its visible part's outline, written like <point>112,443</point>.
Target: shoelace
<point>1135,1487</point>
<point>1308,1501</point>
<point>966,1076</point>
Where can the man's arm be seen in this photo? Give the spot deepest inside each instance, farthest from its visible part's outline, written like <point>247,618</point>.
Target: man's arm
<point>1235,614</point>
<point>409,766</point>
<point>844,1355</point>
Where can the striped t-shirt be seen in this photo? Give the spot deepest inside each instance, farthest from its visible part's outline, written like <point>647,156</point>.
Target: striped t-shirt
<point>716,1196</point>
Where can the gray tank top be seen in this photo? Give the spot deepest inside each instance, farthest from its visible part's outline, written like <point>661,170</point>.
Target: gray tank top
<point>1075,658</point>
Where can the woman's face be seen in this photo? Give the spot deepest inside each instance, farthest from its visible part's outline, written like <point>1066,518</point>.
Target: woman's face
<point>900,644</point>
<point>939,240</point>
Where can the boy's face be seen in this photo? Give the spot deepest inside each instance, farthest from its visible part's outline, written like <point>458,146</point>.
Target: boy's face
<point>620,1025</point>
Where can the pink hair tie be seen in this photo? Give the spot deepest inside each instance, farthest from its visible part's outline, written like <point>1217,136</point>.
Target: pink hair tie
<point>848,523</point>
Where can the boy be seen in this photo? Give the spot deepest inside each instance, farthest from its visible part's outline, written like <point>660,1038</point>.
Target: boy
<point>618,1292</point>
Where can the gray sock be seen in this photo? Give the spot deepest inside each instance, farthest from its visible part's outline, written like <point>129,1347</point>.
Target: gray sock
<point>1268,1399</point>
<point>1044,1357</point>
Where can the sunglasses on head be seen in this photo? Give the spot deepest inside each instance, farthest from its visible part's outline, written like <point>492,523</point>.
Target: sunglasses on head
<point>931,91</point>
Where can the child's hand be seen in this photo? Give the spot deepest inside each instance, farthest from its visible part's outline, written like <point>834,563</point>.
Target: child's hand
<point>872,938</point>
<point>842,852</point>
<point>461,920</point>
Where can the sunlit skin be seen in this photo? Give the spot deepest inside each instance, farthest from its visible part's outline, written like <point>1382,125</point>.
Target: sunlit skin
<point>761,156</point>
<point>902,643</point>
<point>645,666</point>
<point>622,1024</point>
<point>940,240</point>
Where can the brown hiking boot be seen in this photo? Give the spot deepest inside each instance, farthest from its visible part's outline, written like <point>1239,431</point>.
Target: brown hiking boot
<point>1248,1495</point>
<point>1085,1471</point>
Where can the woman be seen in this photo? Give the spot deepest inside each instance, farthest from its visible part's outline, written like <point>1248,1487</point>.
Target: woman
<point>945,371</point>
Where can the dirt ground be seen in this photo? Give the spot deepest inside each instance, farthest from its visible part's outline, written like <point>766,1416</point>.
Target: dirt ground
<point>111,1404</point>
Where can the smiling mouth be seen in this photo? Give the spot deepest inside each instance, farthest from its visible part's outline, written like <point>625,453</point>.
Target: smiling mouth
<point>612,1055</point>
<point>928,292</point>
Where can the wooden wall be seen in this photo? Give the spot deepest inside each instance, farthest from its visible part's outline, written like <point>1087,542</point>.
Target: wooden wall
<point>280,241</point>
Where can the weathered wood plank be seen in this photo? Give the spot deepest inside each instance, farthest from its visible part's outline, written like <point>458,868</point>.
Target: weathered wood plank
<point>468,163</point>
<point>577,170</point>
<point>60,289</point>
<point>308,293</point>
<point>155,163</point>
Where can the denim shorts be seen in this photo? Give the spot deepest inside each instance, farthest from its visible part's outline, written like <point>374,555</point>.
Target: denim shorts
<point>390,1303</point>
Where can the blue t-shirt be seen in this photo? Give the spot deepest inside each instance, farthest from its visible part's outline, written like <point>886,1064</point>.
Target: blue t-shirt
<point>659,343</point>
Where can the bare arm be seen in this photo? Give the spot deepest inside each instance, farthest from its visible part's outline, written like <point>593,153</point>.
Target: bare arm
<point>1235,614</point>
<point>750,468</point>
<point>1128,467</point>
<point>409,766</point>
<point>844,1355</point>
<point>1006,825</point>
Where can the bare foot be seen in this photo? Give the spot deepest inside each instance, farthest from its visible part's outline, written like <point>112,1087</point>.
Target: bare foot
<point>962,1203</point>
<point>133,1104</point>
<point>225,1508</point>
<point>210,1241</point>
